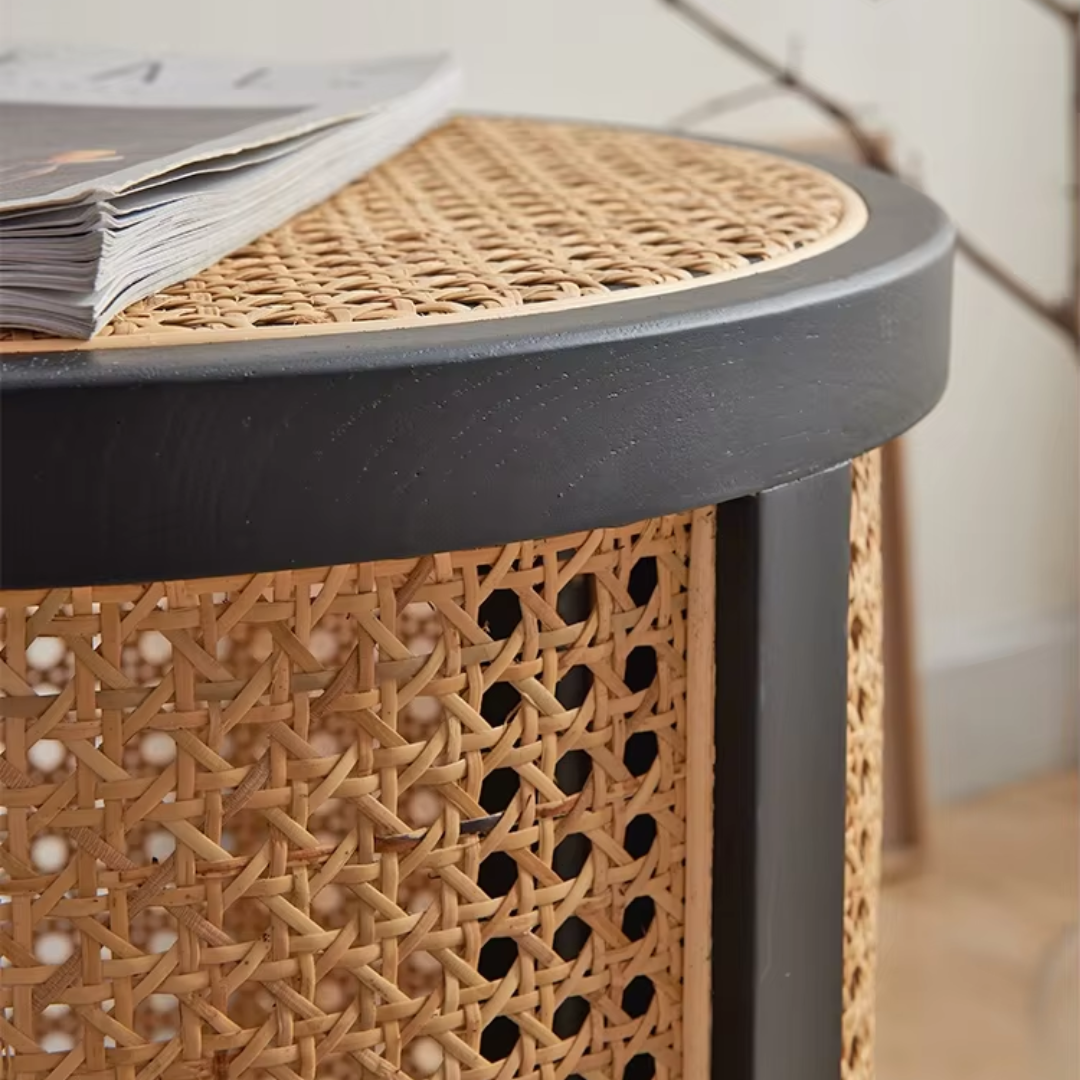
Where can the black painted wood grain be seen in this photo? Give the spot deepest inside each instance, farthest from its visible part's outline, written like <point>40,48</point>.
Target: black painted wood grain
<point>781,682</point>
<point>190,460</point>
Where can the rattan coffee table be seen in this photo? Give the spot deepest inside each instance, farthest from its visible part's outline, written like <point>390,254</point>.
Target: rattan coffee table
<point>430,636</point>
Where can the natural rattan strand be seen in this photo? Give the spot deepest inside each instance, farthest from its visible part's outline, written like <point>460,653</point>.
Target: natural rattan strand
<point>866,696</point>
<point>488,217</point>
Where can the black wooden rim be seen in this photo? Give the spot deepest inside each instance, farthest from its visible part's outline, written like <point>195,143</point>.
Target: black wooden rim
<point>191,460</point>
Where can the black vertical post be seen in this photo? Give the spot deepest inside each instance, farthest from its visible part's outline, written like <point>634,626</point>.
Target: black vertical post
<point>781,682</point>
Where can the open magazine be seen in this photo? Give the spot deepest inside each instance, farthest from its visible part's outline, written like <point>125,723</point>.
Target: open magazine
<point>121,174</point>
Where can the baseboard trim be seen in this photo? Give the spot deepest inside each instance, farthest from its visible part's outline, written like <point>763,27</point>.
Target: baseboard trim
<point>1002,709</point>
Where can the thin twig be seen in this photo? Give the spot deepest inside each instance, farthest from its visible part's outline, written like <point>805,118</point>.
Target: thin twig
<point>1062,11</point>
<point>1058,314</point>
<point>1064,315</point>
<point>1074,180</point>
<point>868,147</point>
<point>726,103</point>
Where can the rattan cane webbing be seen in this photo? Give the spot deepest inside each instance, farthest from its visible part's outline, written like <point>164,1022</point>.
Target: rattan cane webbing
<point>423,818</point>
<point>865,728</point>
<point>488,217</point>
<point>419,818</point>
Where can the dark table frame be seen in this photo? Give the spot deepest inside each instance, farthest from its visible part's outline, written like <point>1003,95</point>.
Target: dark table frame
<point>197,460</point>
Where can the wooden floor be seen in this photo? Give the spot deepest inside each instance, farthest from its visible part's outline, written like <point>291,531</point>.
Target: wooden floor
<point>967,944</point>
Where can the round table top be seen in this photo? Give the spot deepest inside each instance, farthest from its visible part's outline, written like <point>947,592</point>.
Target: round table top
<point>515,328</point>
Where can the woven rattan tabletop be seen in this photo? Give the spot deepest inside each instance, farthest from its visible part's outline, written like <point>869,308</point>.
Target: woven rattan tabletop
<point>488,217</point>
<point>565,326</point>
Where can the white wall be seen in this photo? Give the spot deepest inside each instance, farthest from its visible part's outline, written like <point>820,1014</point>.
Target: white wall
<point>973,93</point>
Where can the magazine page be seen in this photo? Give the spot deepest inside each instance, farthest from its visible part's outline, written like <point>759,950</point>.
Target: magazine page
<point>81,123</point>
<point>53,152</point>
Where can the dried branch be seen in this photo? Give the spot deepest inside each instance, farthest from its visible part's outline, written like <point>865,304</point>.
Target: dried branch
<point>1065,314</point>
<point>1059,314</point>
<point>1074,187</point>
<point>785,76</point>
<point>725,103</point>
<point>1062,11</point>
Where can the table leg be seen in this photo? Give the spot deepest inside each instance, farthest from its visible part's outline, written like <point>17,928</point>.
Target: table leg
<point>778,869</point>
